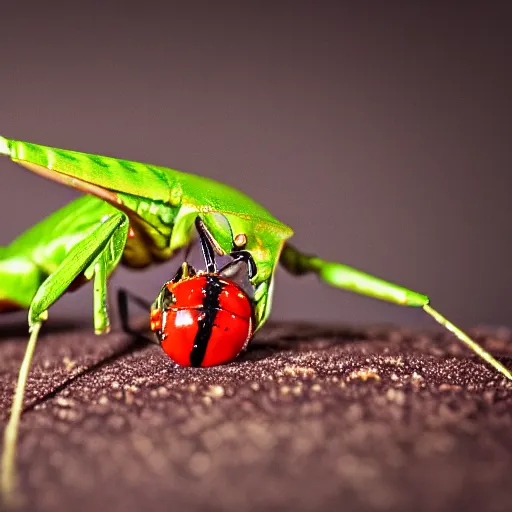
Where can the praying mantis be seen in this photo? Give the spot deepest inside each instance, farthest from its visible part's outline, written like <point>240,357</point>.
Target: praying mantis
<point>140,215</point>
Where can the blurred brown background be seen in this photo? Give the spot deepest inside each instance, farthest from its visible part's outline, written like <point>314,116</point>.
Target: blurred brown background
<point>381,133</point>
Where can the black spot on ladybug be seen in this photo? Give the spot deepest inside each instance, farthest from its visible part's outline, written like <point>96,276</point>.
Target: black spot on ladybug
<point>206,322</point>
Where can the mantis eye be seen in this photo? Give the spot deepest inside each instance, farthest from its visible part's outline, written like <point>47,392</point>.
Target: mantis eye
<point>206,320</point>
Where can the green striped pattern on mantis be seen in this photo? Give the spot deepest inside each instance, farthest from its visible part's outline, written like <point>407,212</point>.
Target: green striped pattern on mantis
<point>141,214</point>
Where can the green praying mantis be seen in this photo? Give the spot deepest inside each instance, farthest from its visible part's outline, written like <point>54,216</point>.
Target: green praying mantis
<point>140,215</point>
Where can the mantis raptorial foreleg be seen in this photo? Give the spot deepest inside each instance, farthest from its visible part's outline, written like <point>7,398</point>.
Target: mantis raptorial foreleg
<point>348,278</point>
<point>94,256</point>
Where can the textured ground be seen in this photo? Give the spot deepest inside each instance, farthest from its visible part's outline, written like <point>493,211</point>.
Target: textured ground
<point>311,418</point>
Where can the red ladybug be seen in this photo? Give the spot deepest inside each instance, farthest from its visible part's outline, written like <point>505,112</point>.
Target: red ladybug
<point>202,320</point>
<point>206,318</point>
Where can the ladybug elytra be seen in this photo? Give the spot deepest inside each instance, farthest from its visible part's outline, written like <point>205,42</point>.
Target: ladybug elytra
<point>205,318</point>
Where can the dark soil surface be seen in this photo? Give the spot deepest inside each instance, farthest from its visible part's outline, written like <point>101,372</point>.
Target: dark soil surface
<point>310,418</point>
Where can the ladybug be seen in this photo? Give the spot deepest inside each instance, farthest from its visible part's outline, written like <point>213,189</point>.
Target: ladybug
<point>205,318</point>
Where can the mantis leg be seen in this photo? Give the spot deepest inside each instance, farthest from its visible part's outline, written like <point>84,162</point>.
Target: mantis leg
<point>124,299</point>
<point>348,278</point>
<point>94,256</point>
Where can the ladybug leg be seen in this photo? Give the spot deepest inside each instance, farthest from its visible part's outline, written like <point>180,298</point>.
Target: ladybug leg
<point>238,257</point>
<point>240,270</point>
<point>124,298</point>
